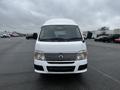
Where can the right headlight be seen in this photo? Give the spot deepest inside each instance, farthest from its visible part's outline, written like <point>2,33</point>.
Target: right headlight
<point>81,55</point>
<point>39,56</point>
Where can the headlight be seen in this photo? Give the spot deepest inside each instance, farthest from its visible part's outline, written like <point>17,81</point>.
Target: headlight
<point>81,55</point>
<point>39,56</point>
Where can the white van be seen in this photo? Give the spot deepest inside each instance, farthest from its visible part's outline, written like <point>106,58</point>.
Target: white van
<point>60,48</point>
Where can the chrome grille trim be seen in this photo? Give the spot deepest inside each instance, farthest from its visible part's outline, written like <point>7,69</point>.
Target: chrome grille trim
<point>60,56</point>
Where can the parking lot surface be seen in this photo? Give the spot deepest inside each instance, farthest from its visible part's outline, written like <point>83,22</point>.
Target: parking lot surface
<point>16,68</point>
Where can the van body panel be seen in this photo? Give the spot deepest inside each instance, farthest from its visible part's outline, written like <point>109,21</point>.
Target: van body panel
<point>60,22</point>
<point>60,47</point>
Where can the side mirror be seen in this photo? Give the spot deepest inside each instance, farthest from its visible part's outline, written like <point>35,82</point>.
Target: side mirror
<point>35,35</point>
<point>83,41</point>
<point>85,38</point>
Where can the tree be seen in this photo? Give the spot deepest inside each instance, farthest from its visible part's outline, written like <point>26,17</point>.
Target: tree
<point>104,29</point>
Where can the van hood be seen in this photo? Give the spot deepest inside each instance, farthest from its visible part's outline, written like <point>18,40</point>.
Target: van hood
<point>60,47</point>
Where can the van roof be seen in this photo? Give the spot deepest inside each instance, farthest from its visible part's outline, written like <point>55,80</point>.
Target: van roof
<point>60,21</point>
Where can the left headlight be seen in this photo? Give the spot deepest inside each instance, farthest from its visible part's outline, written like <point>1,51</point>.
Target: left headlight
<point>82,55</point>
<point>39,56</point>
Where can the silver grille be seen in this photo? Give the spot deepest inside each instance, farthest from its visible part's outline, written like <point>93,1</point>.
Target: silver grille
<point>60,56</point>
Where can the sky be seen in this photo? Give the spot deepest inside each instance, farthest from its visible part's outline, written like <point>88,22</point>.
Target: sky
<point>29,15</point>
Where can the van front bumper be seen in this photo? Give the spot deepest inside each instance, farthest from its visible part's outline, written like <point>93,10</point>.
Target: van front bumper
<point>59,67</point>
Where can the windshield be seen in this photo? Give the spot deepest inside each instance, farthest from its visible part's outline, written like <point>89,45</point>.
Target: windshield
<point>60,33</point>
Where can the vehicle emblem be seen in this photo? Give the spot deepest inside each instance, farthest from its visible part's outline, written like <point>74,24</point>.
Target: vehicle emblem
<point>60,57</point>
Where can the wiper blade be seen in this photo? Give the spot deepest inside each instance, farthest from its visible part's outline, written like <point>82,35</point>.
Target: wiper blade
<point>57,39</point>
<point>44,39</point>
<point>53,39</point>
<point>75,38</point>
<point>61,39</point>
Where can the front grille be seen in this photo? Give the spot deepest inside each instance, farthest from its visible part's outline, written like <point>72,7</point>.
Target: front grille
<point>60,68</point>
<point>60,56</point>
<point>60,62</point>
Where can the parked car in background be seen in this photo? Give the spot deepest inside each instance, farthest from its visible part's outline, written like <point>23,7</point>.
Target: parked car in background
<point>89,35</point>
<point>5,36</point>
<point>102,39</point>
<point>31,36</point>
<point>0,36</point>
<point>14,35</point>
<point>117,40</point>
<point>107,38</point>
<point>113,37</point>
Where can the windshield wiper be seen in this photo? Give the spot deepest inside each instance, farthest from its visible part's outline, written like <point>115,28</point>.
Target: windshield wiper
<point>53,39</point>
<point>57,39</point>
<point>75,38</point>
<point>62,39</point>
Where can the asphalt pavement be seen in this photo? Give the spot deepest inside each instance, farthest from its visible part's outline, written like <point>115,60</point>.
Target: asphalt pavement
<point>16,68</point>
